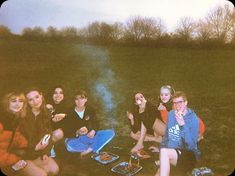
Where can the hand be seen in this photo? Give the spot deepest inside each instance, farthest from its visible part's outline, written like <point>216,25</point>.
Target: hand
<point>82,131</point>
<point>19,165</point>
<point>42,144</point>
<point>91,134</point>
<point>58,117</point>
<point>179,118</point>
<point>49,106</point>
<point>136,148</point>
<point>161,107</point>
<point>130,115</point>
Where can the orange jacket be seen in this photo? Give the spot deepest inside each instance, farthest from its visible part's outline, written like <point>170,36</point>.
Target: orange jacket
<point>19,141</point>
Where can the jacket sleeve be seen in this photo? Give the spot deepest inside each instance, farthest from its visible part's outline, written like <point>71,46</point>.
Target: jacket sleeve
<point>164,115</point>
<point>20,141</point>
<point>201,126</point>
<point>8,159</point>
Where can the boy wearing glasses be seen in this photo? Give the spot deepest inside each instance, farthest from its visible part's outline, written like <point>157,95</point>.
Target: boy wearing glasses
<point>179,144</point>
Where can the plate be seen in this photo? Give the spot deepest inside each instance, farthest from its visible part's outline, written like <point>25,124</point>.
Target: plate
<point>124,169</point>
<point>105,157</point>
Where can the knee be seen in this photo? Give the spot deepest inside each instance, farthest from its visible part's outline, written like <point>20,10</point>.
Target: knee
<point>57,135</point>
<point>134,135</point>
<point>54,170</point>
<point>163,151</point>
<point>43,174</point>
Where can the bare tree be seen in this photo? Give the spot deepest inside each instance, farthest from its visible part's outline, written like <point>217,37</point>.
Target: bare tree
<point>203,31</point>
<point>221,22</point>
<point>69,32</point>
<point>52,32</point>
<point>35,32</point>
<point>139,28</point>
<point>134,29</point>
<point>185,29</point>
<point>93,30</point>
<point>233,28</point>
<point>105,31</point>
<point>4,31</point>
<point>152,28</point>
<point>117,31</point>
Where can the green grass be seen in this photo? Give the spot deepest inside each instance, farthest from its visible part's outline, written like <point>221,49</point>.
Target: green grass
<point>206,75</point>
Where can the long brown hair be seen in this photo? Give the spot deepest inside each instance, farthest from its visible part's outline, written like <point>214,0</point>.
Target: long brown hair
<point>8,97</point>
<point>46,117</point>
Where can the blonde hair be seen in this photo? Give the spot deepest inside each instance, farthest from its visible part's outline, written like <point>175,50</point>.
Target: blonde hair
<point>8,97</point>
<point>168,87</point>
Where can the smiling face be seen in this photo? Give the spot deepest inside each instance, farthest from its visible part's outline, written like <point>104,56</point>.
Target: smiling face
<point>165,95</point>
<point>34,99</point>
<point>16,103</point>
<point>58,95</point>
<point>80,101</point>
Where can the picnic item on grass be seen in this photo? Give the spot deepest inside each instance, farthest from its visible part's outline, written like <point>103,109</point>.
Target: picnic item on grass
<point>128,168</point>
<point>105,157</point>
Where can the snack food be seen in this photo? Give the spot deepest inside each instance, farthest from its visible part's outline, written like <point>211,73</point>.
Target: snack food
<point>125,168</point>
<point>105,156</point>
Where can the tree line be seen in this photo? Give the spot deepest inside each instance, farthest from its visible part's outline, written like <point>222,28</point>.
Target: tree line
<point>217,27</point>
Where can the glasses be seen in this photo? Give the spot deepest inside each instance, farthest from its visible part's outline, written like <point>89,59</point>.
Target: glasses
<point>178,102</point>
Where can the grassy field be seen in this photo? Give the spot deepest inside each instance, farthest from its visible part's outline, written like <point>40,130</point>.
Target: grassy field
<point>110,75</point>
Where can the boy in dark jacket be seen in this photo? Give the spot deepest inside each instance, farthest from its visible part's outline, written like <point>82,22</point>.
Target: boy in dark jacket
<point>81,128</point>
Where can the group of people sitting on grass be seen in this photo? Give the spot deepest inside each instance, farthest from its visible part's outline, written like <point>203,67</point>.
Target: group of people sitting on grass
<point>31,129</point>
<point>170,123</point>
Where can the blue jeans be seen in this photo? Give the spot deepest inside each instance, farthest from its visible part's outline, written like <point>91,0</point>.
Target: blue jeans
<point>82,143</point>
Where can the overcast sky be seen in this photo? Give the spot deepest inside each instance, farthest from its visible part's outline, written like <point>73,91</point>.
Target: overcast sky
<point>18,14</point>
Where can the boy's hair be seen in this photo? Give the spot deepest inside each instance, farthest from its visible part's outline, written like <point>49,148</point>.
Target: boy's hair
<point>80,92</point>
<point>178,94</point>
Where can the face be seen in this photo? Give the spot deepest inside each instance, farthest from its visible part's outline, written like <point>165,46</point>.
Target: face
<point>165,95</point>
<point>180,104</point>
<point>34,99</point>
<point>16,103</point>
<point>139,99</point>
<point>58,95</point>
<point>80,101</point>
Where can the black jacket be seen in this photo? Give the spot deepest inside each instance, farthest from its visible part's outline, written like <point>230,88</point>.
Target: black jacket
<point>73,122</point>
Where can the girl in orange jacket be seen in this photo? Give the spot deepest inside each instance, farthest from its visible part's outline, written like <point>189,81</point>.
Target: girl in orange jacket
<point>12,142</point>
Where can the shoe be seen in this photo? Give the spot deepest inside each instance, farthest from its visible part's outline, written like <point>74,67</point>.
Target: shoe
<point>142,154</point>
<point>203,171</point>
<point>154,149</point>
<point>157,163</point>
<point>206,171</point>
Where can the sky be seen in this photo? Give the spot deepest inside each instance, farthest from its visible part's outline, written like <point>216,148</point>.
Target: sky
<point>18,14</point>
